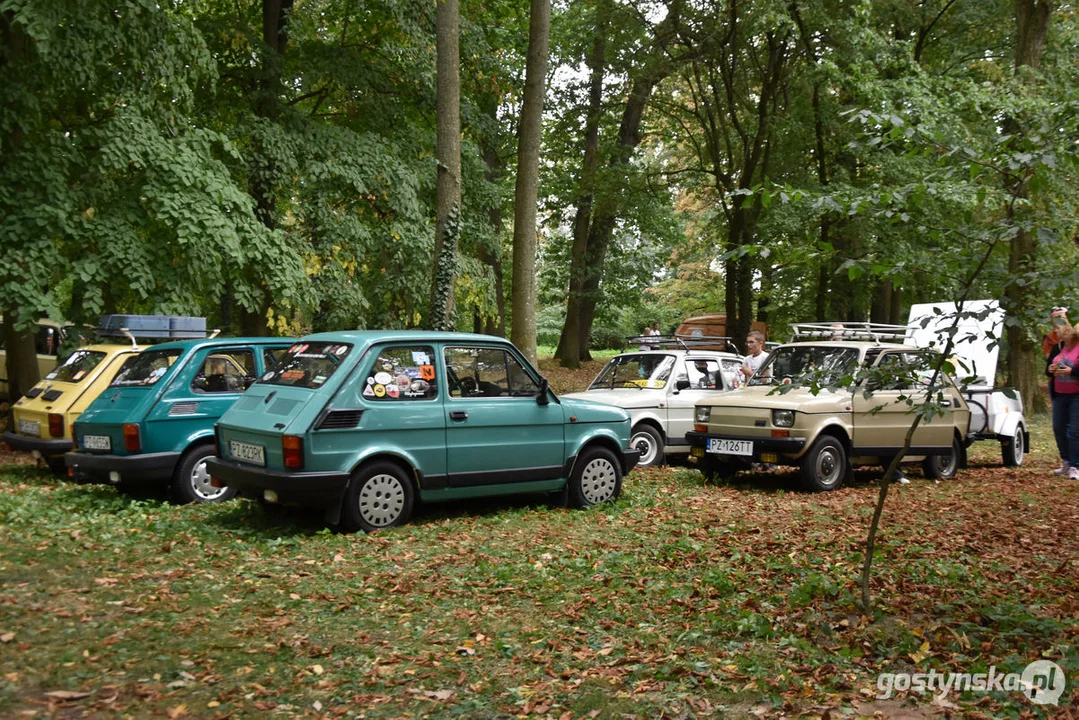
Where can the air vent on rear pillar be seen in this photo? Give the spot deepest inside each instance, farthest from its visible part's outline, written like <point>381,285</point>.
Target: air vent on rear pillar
<point>282,407</point>
<point>51,395</point>
<point>339,419</point>
<point>33,392</point>
<point>183,408</point>
<point>247,402</point>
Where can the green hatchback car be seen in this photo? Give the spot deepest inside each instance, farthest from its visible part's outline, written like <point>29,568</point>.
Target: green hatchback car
<point>365,424</point>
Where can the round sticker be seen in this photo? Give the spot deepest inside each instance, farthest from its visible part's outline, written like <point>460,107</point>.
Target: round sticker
<point>383,378</point>
<point>380,390</point>
<point>392,391</point>
<point>403,381</point>
<point>267,375</point>
<point>370,381</point>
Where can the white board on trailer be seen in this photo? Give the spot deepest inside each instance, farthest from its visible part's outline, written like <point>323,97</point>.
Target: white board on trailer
<point>977,340</point>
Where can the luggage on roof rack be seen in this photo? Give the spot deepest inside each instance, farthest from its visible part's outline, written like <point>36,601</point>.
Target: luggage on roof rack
<point>158,327</point>
<point>877,332</point>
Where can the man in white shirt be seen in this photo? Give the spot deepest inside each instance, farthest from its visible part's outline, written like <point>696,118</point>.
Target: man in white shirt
<point>756,357</point>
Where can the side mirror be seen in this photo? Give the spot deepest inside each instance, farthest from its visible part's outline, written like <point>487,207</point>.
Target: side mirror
<point>682,384</point>
<point>542,397</point>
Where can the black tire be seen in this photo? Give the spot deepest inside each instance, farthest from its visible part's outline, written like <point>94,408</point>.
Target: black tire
<point>944,466</point>
<point>1013,449</point>
<point>648,440</point>
<point>379,496</point>
<point>596,478</point>
<point>191,481</point>
<point>715,469</point>
<point>824,467</point>
<point>56,465</point>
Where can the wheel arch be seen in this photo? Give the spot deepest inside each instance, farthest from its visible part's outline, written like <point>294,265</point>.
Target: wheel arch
<point>333,511</point>
<point>653,423</point>
<point>839,433</point>
<point>604,441</point>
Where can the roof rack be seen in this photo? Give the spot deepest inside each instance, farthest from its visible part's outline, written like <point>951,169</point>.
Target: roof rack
<point>877,332</point>
<point>682,342</point>
<point>152,327</point>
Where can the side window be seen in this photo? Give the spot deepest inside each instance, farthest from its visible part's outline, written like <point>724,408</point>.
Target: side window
<point>486,372</point>
<point>703,373</point>
<point>402,374</point>
<point>225,371</point>
<point>47,340</point>
<point>732,378</point>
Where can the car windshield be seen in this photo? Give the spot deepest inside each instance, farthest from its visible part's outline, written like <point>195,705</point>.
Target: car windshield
<point>802,365</point>
<point>639,370</point>
<point>146,368</point>
<point>77,367</point>
<point>308,365</point>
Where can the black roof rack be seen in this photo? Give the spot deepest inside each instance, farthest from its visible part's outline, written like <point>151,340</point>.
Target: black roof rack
<point>152,327</point>
<point>877,332</point>
<point>681,342</point>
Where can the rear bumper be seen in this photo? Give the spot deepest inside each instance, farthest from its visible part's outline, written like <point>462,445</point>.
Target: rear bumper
<point>149,468</point>
<point>778,446</point>
<point>25,443</point>
<point>315,489</point>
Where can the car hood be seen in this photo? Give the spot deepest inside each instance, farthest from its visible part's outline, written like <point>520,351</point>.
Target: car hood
<point>629,398</point>
<point>586,410</point>
<point>800,399</point>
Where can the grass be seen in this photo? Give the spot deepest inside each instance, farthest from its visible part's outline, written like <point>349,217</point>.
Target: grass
<point>682,599</point>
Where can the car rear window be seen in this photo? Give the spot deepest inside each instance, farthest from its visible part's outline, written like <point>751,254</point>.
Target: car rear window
<point>146,368</point>
<point>77,367</point>
<point>308,365</point>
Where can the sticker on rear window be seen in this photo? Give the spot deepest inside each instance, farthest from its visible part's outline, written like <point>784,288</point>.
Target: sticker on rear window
<point>420,357</point>
<point>383,378</point>
<point>427,372</point>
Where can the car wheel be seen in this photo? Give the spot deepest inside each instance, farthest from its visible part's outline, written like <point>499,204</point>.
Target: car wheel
<point>56,465</point>
<point>1013,449</point>
<point>648,440</point>
<point>596,478</point>
<point>824,466</point>
<point>191,479</point>
<point>715,469</point>
<point>944,466</point>
<point>379,496</point>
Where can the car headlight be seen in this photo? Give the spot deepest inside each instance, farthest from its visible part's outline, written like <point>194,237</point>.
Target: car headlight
<point>703,413</point>
<point>783,418</point>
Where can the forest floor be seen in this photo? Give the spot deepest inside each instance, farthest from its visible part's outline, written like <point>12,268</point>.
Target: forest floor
<point>681,600</point>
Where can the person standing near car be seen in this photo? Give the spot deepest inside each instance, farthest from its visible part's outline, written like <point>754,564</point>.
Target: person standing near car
<point>1063,368</point>
<point>756,357</point>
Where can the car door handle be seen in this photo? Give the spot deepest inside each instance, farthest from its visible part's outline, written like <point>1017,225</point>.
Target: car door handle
<point>458,415</point>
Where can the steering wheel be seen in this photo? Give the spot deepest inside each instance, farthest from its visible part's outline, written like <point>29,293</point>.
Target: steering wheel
<point>468,386</point>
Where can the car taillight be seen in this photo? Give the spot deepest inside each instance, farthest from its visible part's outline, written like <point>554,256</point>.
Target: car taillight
<point>131,438</point>
<point>292,451</point>
<point>56,424</point>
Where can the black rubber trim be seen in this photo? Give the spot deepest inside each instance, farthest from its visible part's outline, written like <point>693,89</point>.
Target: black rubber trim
<point>310,486</point>
<point>505,477</point>
<point>889,450</point>
<point>148,468</point>
<point>25,443</point>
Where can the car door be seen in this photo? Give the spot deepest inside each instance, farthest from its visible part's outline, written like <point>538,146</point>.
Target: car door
<point>881,421</point>
<point>705,378</point>
<point>496,432</point>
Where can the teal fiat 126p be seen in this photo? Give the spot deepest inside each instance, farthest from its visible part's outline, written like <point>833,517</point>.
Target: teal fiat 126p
<point>365,424</point>
<point>154,424</point>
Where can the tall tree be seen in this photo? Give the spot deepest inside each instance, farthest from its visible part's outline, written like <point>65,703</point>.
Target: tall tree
<point>527,187</point>
<point>448,151</point>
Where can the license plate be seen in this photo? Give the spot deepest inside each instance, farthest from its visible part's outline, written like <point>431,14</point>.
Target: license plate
<point>254,454</point>
<point>730,447</point>
<point>96,442</point>
<point>29,427</point>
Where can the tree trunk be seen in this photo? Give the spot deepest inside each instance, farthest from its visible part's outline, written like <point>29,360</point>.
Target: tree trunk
<point>526,191</point>
<point>570,347</point>
<point>448,150</point>
<point>492,257</point>
<point>1032,24</point>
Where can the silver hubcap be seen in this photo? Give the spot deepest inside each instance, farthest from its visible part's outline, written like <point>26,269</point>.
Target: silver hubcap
<point>1018,448</point>
<point>200,483</point>
<point>598,480</point>
<point>382,499</point>
<point>828,468</point>
<point>646,444</point>
<point>946,463</point>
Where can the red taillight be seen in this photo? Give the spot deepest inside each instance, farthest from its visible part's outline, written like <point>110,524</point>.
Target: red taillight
<point>131,438</point>
<point>56,425</point>
<point>292,451</point>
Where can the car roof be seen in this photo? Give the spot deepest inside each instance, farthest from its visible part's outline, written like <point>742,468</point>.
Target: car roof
<point>218,342</point>
<point>361,337</point>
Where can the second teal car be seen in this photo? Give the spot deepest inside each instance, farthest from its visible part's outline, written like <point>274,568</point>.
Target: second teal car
<point>365,424</point>
<point>153,425</point>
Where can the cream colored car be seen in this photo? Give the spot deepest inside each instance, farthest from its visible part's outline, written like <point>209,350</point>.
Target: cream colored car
<point>777,418</point>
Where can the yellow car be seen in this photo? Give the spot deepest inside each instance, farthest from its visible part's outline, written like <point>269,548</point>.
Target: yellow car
<point>43,417</point>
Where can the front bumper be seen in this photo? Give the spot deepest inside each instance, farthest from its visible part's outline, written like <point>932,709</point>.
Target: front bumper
<point>772,445</point>
<point>152,468</point>
<point>315,489</point>
<point>630,457</point>
<point>25,443</point>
